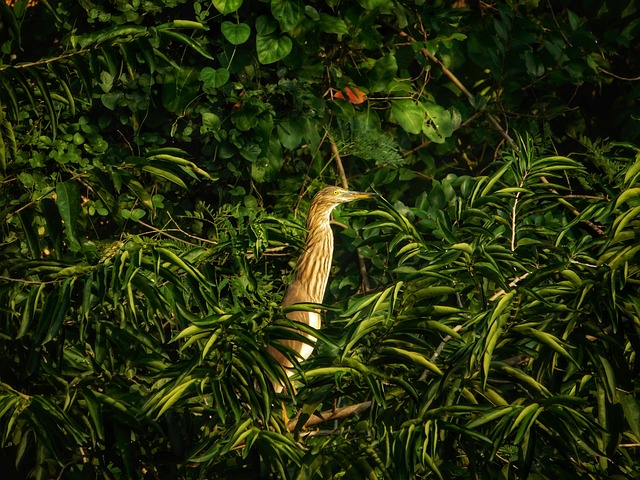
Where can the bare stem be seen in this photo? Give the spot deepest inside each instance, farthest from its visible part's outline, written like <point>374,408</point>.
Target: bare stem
<point>573,210</point>
<point>513,222</point>
<point>45,61</point>
<point>515,282</point>
<point>438,351</point>
<point>331,415</point>
<point>338,159</point>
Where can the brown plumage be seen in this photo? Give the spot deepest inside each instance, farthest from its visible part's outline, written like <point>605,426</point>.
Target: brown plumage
<point>312,270</point>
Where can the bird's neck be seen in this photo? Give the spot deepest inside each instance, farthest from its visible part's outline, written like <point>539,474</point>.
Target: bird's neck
<point>315,262</point>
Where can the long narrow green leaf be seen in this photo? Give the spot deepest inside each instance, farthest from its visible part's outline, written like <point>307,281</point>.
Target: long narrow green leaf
<point>190,42</point>
<point>46,97</point>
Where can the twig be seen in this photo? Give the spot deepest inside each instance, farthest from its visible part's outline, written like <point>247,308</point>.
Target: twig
<point>204,240</point>
<point>573,210</point>
<point>30,282</point>
<point>438,351</point>
<point>338,159</point>
<point>586,197</point>
<point>45,61</point>
<point>624,79</point>
<point>163,232</point>
<point>331,415</point>
<point>515,282</point>
<point>513,222</point>
<point>271,252</point>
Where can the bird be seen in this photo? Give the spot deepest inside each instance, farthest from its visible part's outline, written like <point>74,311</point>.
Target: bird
<point>312,270</point>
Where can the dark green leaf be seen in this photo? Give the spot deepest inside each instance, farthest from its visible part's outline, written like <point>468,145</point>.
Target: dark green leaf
<point>408,115</point>
<point>68,201</point>
<point>235,33</point>
<point>287,12</point>
<point>272,48</point>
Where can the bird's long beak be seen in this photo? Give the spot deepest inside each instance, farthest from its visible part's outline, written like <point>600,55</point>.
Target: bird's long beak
<point>360,195</point>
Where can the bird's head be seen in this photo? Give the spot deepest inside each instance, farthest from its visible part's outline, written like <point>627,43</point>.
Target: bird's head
<point>330,197</point>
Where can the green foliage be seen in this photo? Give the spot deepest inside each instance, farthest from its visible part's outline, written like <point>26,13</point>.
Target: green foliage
<point>155,157</point>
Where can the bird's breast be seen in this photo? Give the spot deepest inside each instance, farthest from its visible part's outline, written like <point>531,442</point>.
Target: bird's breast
<point>314,321</point>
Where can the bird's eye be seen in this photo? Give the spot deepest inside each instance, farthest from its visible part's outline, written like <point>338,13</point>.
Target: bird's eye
<point>336,192</point>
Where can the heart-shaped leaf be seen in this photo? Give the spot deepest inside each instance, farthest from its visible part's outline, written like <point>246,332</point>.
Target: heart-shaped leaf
<point>235,33</point>
<point>214,78</point>
<point>227,6</point>
<point>287,12</point>
<point>272,48</point>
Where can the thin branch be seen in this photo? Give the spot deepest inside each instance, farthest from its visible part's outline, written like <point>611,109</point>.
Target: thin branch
<point>513,222</point>
<point>204,240</point>
<point>438,351</point>
<point>29,282</point>
<point>573,210</point>
<point>331,415</point>
<point>163,232</point>
<point>272,252</point>
<point>45,61</point>
<point>338,159</point>
<point>586,197</point>
<point>515,282</point>
<point>624,79</point>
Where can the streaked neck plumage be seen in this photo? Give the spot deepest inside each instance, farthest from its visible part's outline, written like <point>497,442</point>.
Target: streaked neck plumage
<point>315,261</point>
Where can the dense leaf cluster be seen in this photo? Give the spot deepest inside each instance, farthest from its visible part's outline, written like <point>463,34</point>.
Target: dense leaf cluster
<point>156,159</point>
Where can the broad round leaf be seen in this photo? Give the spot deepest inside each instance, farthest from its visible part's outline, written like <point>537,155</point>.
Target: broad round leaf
<point>290,133</point>
<point>287,12</point>
<point>265,25</point>
<point>438,125</point>
<point>271,49</point>
<point>235,33</point>
<point>382,73</point>
<point>373,4</point>
<point>227,6</point>
<point>214,78</point>
<point>331,24</point>
<point>408,115</point>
